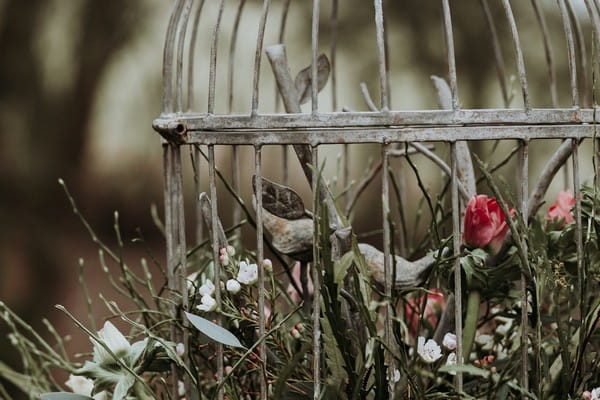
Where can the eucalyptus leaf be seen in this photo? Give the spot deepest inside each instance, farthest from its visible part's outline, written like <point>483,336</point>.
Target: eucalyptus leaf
<point>280,200</point>
<point>213,331</point>
<point>304,78</point>
<point>64,396</point>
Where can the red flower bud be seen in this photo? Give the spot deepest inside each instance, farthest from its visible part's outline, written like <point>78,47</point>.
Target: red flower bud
<point>561,210</point>
<point>485,223</point>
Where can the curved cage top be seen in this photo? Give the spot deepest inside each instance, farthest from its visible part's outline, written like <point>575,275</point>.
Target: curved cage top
<point>200,91</point>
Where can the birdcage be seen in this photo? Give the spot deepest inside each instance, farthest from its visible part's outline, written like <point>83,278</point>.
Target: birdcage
<point>182,124</point>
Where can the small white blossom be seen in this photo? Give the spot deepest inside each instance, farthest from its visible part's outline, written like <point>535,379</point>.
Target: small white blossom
<point>230,250</point>
<point>80,385</point>
<point>233,286</point>
<point>267,265</point>
<point>451,359</point>
<point>207,288</point>
<point>596,394</point>
<point>449,341</point>
<point>396,377</point>
<point>114,340</point>
<point>248,273</point>
<point>429,351</point>
<point>224,259</point>
<point>207,304</point>
<point>180,349</point>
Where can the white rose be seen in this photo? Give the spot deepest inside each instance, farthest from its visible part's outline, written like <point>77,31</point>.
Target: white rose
<point>233,286</point>
<point>429,351</point>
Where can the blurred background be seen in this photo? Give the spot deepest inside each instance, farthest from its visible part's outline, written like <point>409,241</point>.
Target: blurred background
<point>80,83</point>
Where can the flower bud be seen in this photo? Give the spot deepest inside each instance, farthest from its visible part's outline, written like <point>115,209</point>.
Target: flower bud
<point>295,334</point>
<point>228,369</point>
<point>299,327</point>
<point>224,259</point>
<point>233,286</point>
<point>449,341</point>
<point>180,349</point>
<point>230,250</point>
<point>223,251</point>
<point>267,265</point>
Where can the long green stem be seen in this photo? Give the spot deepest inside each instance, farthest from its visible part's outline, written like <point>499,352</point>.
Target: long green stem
<point>470,327</point>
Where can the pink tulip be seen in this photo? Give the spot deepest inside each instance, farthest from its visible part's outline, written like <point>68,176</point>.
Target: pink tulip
<point>561,210</point>
<point>485,223</point>
<point>433,309</point>
<point>291,291</point>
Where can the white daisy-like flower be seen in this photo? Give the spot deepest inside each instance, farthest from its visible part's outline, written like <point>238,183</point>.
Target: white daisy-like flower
<point>233,286</point>
<point>114,340</point>
<point>207,304</point>
<point>449,341</point>
<point>207,288</point>
<point>248,273</point>
<point>429,351</point>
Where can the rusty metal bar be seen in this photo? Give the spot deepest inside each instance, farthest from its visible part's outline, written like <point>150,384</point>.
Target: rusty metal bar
<point>314,44</point>
<point>448,35</point>
<point>595,19</point>
<point>387,268</point>
<point>232,51</point>
<point>315,268</point>
<point>180,53</point>
<point>488,117</point>
<point>216,264</point>
<point>337,136</point>
<point>456,244</point>
<point>582,52</point>
<point>564,13</point>
<point>518,53</point>
<point>541,19</point>
<point>258,55</point>
<point>332,53</point>
<point>284,148</point>
<point>170,235</point>
<point>381,56</point>
<point>212,74</point>
<point>261,273</point>
<point>581,270</point>
<point>497,51</point>
<point>167,90</point>
<point>199,222</point>
<point>191,56</point>
<point>523,200</point>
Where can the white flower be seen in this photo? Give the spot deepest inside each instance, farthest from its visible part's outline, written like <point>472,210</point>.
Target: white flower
<point>233,286</point>
<point>485,341</point>
<point>180,388</point>
<point>248,273</point>
<point>396,377</point>
<point>596,394</point>
<point>180,349</point>
<point>114,340</point>
<point>267,265</point>
<point>230,250</point>
<point>429,351</point>
<point>449,341</point>
<point>207,303</point>
<point>451,359</point>
<point>80,385</point>
<point>207,288</point>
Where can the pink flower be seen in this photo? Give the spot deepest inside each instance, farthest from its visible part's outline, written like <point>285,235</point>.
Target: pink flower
<point>485,223</point>
<point>431,314</point>
<point>291,291</point>
<point>561,210</point>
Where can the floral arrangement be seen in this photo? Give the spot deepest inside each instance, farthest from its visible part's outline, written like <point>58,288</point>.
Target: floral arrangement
<point>529,317</point>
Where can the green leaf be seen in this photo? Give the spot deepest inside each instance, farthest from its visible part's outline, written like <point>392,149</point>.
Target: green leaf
<point>213,331</point>
<point>64,396</point>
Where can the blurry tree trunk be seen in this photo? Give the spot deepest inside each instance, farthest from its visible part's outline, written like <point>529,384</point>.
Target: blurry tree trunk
<point>46,131</point>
